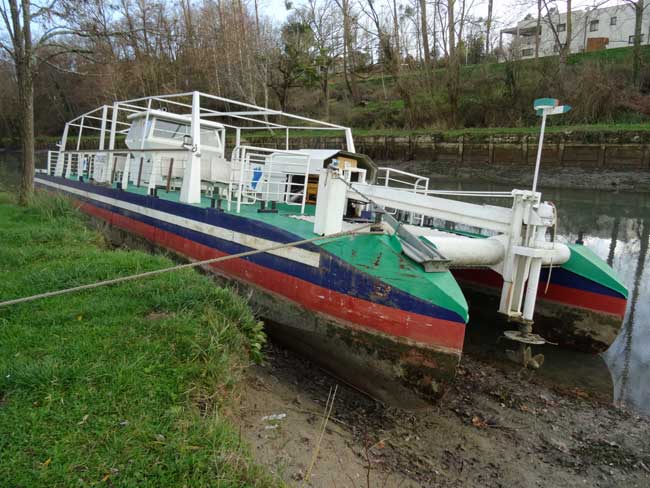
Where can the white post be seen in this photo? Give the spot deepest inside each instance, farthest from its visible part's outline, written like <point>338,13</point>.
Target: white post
<point>145,134</point>
<point>286,139</point>
<point>81,129</point>
<point>58,170</point>
<point>80,160</point>
<point>330,206</point>
<point>539,152</point>
<point>68,168</point>
<point>191,188</point>
<point>126,172</point>
<point>237,137</point>
<point>102,129</point>
<point>111,145</point>
<point>304,192</point>
<point>349,141</point>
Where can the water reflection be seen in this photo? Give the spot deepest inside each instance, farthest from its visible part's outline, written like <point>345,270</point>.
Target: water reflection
<point>629,357</point>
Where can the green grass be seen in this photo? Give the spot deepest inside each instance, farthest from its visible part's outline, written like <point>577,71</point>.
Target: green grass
<point>128,385</point>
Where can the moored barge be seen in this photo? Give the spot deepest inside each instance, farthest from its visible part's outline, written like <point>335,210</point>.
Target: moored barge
<point>383,305</point>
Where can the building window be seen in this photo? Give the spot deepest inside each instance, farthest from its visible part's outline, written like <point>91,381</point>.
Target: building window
<point>593,26</point>
<point>612,20</point>
<point>526,52</point>
<point>561,27</point>
<point>631,39</point>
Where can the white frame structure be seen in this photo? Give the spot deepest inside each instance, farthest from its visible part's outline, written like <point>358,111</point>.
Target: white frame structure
<point>198,108</point>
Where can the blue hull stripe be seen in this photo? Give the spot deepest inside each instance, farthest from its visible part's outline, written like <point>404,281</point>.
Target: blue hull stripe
<point>333,274</point>
<point>564,277</point>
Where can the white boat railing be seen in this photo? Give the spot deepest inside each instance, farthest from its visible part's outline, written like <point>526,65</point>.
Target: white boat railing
<point>402,179</point>
<point>74,163</point>
<point>395,178</point>
<point>269,175</point>
<point>253,175</point>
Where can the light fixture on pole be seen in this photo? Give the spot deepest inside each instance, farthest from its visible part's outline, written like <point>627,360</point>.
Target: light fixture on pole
<point>544,107</point>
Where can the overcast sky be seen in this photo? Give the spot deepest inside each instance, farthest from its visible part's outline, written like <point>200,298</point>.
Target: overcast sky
<point>507,12</point>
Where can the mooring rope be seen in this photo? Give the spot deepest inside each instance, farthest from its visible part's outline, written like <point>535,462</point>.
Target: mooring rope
<point>181,266</point>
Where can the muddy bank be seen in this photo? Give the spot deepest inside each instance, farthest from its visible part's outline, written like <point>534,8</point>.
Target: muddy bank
<point>521,176</point>
<point>494,427</point>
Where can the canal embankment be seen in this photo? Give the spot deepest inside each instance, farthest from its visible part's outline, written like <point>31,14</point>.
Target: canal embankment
<point>128,385</point>
<point>601,157</point>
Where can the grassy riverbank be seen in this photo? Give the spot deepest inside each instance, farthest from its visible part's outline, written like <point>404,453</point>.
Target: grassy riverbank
<point>129,385</point>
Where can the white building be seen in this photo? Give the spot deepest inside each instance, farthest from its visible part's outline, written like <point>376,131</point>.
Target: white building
<point>592,30</point>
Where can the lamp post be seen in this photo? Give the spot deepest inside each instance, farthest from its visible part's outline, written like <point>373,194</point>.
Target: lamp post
<point>544,107</point>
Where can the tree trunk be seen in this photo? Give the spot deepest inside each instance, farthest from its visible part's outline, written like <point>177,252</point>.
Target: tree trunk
<point>453,70</point>
<point>539,25</point>
<point>425,32</point>
<point>25,78</point>
<point>488,27</point>
<point>638,28</point>
<point>26,94</point>
<point>325,87</point>
<point>398,50</point>
<point>566,48</point>
<point>348,54</point>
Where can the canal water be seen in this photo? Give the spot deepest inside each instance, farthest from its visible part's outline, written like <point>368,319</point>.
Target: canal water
<point>616,225</point>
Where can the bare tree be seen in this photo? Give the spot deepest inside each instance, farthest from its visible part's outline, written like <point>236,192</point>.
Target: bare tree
<point>349,65</point>
<point>424,32</point>
<point>326,32</point>
<point>539,27</point>
<point>639,7</point>
<point>453,69</point>
<point>488,26</point>
<point>565,47</point>
<point>27,53</point>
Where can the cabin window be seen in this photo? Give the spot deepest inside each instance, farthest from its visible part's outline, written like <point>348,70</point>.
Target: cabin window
<point>612,20</point>
<point>209,137</point>
<point>170,130</point>
<point>593,25</point>
<point>631,39</point>
<point>526,52</point>
<point>561,27</point>
<point>135,131</point>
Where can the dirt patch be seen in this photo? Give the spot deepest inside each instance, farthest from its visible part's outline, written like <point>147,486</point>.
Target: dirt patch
<point>494,427</point>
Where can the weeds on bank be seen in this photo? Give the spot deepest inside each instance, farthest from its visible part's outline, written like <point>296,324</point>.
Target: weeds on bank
<point>123,385</point>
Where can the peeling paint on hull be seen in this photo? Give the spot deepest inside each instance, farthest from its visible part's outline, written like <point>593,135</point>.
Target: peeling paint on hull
<point>370,342</point>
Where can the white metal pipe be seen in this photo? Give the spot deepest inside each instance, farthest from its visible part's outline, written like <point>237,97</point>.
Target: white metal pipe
<point>531,290</point>
<point>111,144</point>
<point>102,133</point>
<point>464,251</point>
<point>81,128</point>
<point>482,216</point>
<point>539,152</point>
<point>60,161</point>
<point>349,141</point>
<point>191,187</point>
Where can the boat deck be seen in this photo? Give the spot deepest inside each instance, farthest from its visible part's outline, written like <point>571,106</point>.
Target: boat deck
<point>288,217</point>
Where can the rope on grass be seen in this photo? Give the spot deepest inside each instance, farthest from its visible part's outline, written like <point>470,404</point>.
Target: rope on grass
<point>194,264</point>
